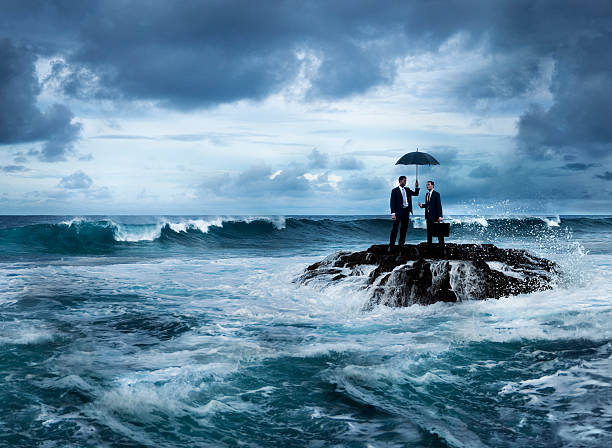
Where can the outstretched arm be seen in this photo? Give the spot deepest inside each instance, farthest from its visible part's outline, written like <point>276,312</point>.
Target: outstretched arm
<point>416,189</point>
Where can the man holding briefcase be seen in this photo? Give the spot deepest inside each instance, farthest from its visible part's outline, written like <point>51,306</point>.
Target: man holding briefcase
<point>433,215</point>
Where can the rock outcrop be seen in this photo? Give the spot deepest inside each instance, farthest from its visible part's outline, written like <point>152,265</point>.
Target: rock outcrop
<point>421,274</point>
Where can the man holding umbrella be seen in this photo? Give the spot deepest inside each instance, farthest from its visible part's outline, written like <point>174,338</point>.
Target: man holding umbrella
<point>401,207</point>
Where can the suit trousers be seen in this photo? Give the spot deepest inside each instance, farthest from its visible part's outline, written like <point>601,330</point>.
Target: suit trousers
<point>401,221</point>
<point>430,225</point>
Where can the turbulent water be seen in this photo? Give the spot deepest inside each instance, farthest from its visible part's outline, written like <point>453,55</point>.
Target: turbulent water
<point>189,331</point>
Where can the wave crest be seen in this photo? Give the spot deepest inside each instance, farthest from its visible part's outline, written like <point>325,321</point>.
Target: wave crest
<point>90,235</point>
<point>80,235</point>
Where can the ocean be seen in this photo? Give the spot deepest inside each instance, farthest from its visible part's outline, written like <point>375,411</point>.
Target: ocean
<point>185,331</point>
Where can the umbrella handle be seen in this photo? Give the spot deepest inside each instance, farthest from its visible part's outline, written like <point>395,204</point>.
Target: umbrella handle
<point>417,172</point>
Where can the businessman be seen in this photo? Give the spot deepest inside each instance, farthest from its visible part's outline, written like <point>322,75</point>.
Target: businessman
<point>433,212</point>
<point>401,207</point>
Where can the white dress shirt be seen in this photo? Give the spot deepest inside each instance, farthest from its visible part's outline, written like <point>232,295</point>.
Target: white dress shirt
<point>404,198</point>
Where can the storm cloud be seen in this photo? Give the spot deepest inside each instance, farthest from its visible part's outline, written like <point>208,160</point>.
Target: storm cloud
<point>206,53</point>
<point>224,51</point>
<point>22,120</point>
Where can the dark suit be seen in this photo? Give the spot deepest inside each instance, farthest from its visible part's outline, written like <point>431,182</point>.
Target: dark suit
<point>433,213</point>
<point>402,214</point>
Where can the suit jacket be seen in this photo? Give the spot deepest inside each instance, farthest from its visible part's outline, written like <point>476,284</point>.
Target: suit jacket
<point>397,202</point>
<point>433,208</point>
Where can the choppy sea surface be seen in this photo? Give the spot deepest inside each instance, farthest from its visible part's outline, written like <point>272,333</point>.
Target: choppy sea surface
<point>181,331</point>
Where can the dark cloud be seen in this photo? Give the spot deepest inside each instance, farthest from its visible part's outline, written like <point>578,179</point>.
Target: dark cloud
<point>22,121</point>
<point>60,134</point>
<point>76,181</point>
<point>198,54</point>
<point>347,69</point>
<point>578,166</point>
<point>578,120</point>
<point>605,176</point>
<point>220,51</point>
<point>506,77</point>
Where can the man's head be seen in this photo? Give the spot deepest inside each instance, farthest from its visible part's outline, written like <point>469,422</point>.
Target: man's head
<point>402,181</point>
<point>430,185</point>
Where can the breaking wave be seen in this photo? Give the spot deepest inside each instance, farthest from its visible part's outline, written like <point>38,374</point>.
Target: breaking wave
<point>90,235</point>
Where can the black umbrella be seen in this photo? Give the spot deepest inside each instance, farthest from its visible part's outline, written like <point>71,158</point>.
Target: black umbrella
<point>417,158</point>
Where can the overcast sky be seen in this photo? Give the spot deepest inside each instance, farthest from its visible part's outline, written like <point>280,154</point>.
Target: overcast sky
<point>303,107</point>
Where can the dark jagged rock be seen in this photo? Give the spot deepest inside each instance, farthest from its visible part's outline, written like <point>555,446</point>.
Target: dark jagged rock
<point>422,274</point>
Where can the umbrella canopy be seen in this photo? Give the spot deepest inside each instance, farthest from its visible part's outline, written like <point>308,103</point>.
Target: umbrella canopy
<point>417,158</point>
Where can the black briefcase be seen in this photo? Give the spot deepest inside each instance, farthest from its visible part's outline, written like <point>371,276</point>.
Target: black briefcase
<point>441,229</point>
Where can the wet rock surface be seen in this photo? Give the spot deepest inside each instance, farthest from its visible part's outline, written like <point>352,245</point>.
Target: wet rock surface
<point>423,274</point>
